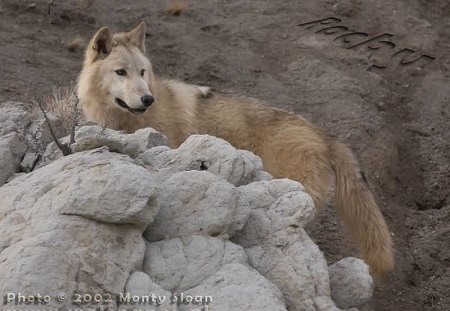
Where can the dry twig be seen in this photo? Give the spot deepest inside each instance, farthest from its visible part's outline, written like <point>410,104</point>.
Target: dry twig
<point>65,149</point>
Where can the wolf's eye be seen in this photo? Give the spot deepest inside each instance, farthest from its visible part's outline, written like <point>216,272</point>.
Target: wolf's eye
<point>142,72</point>
<point>121,72</point>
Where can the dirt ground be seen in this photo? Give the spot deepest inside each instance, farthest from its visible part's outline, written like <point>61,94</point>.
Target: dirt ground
<point>396,119</point>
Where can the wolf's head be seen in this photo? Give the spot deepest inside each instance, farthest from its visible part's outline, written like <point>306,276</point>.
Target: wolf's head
<point>116,73</point>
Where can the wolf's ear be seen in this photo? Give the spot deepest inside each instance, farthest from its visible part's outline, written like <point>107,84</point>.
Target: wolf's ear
<point>137,37</point>
<point>100,45</point>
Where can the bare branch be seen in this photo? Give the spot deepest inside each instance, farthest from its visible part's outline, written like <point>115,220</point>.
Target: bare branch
<point>105,124</point>
<point>65,149</point>
<point>74,120</point>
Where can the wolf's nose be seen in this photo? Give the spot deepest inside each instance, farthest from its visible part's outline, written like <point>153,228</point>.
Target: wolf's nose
<point>147,100</point>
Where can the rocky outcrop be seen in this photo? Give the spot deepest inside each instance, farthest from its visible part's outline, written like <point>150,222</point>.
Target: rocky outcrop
<point>140,224</point>
<point>64,228</point>
<point>24,134</point>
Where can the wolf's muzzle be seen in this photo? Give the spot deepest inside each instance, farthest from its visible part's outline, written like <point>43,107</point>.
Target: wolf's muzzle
<point>122,104</point>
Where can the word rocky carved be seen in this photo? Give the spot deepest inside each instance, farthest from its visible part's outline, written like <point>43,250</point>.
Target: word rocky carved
<point>351,40</point>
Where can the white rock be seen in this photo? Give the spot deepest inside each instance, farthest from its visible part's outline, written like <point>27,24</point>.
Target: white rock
<point>237,287</point>
<point>23,129</point>
<point>113,188</point>
<point>12,149</point>
<point>197,202</point>
<point>141,285</point>
<point>16,144</point>
<point>351,283</point>
<point>181,263</point>
<point>14,117</point>
<point>75,225</point>
<point>91,137</point>
<point>210,267</point>
<point>52,153</point>
<point>262,175</point>
<point>7,165</point>
<point>15,176</point>
<point>38,132</point>
<point>29,162</point>
<point>279,248</point>
<point>275,205</point>
<point>207,153</point>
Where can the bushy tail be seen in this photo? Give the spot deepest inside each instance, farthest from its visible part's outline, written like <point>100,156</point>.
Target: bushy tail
<point>359,211</point>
